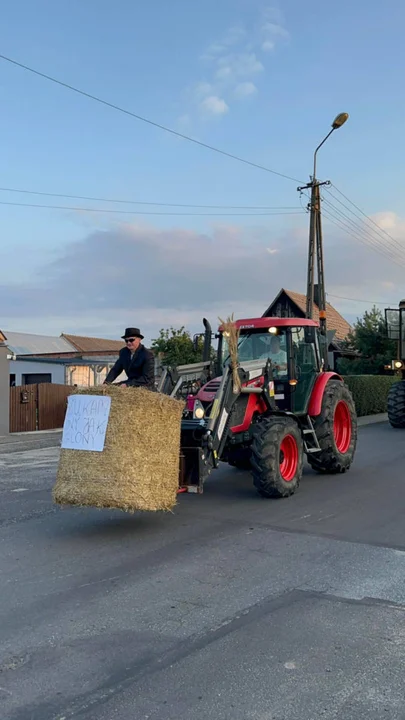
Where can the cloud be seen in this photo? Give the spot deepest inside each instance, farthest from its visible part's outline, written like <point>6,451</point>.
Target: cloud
<point>271,33</point>
<point>238,65</point>
<point>143,275</point>
<point>231,62</point>
<point>245,89</point>
<point>214,105</point>
<point>272,30</point>
<point>232,36</point>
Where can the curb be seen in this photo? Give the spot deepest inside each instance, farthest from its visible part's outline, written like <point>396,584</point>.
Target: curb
<point>372,419</point>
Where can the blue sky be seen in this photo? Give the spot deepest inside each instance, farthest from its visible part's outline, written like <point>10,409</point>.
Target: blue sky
<point>259,80</point>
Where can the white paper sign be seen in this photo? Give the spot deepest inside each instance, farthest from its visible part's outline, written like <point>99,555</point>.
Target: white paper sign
<point>86,422</point>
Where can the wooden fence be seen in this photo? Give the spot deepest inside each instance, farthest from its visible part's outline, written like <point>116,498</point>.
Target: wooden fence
<point>38,407</point>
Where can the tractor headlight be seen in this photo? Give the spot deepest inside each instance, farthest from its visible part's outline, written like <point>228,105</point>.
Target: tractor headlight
<point>198,411</point>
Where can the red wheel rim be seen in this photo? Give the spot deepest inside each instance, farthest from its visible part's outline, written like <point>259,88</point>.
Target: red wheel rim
<point>288,458</point>
<point>342,427</point>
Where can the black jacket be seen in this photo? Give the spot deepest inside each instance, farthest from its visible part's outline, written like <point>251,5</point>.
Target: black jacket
<point>140,368</point>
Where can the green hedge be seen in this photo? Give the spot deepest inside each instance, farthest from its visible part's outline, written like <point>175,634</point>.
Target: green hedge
<point>370,392</point>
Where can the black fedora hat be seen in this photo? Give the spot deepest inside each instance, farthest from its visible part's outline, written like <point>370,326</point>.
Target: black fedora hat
<point>132,332</point>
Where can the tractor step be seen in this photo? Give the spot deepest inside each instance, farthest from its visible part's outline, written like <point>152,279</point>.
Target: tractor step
<point>311,444</point>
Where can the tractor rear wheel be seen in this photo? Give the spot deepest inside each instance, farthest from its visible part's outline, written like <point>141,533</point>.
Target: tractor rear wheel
<point>277,457</point>
<point>240,458</point>
<point>336,430</point>
<point>396,405</point>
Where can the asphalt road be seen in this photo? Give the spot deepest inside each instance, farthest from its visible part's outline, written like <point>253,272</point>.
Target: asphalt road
<point>231,608</point>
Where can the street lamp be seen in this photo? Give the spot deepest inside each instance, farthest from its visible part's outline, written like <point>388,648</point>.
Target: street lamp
<point>315,243</point>
<point>337,123</point>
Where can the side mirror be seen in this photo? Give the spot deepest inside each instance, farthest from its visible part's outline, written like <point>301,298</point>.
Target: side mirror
<point>310,334</point>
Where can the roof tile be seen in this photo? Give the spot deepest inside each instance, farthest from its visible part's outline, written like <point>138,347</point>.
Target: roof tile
<point>90,344</point>
<point>334,319</point>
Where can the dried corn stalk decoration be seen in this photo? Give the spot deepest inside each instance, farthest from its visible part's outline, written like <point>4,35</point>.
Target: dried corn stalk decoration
<point>231,333</point>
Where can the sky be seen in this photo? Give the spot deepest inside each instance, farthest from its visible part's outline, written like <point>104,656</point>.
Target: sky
<point>258,80</point>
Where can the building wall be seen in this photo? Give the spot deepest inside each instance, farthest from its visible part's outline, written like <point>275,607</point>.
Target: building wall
<point>4,391</point>
<point>85,376</point>
<point>23,367</point>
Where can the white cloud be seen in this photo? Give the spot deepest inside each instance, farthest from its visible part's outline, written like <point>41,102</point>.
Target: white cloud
<point>231,63</point>
<point>214,105</point>
<point>231,37</point>
<point>94,292</point>
<point>241,64</point>
<point>272,30</point>
<point>245,89</point>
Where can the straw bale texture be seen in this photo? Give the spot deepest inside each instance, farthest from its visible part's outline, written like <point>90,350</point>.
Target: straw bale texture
<point>139,466</point>
<point>231,332</point>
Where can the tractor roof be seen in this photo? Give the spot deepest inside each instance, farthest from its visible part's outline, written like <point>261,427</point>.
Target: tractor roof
<point>266,322</point>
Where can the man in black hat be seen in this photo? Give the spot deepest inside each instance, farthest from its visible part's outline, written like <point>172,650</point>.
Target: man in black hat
<point>137,362</point>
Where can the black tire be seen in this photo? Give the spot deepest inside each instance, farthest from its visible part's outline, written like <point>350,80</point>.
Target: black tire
<point>240,458</point>
<point>338,445</point>
<point>396,405</point>
<point>275,476</point>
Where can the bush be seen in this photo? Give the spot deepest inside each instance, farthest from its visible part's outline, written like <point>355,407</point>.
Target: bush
<point>370,392</point>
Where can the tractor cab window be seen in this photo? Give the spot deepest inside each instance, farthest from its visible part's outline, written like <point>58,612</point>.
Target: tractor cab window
<point>306,368</point>
<point>261,345</point>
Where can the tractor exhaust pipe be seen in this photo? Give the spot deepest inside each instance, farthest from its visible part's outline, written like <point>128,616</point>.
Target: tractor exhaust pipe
<point>207,340</point>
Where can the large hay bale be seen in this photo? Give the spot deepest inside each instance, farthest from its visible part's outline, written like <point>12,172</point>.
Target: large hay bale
<point>138,469</point>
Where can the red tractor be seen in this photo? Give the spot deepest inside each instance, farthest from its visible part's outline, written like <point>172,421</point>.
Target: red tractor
<point>282,407</point>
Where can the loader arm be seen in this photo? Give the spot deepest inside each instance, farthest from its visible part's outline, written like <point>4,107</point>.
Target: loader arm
<point>176,381</point>
<point>203,441</point>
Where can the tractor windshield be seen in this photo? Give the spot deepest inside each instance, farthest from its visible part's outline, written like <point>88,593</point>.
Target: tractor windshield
<point>260,345</point>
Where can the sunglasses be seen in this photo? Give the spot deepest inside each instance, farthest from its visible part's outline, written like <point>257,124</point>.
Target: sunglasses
<point>130,340</point>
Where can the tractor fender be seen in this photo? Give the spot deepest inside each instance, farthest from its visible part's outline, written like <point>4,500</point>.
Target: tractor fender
<point>315,403</point>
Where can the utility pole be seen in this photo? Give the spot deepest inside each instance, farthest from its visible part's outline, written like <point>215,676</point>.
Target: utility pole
<point>315,246</point>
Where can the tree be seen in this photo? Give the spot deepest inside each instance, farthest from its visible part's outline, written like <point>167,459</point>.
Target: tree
<point>177,347</point>
<point>369,340</point>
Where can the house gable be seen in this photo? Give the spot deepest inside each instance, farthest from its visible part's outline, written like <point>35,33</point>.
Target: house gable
<point>289,303</point>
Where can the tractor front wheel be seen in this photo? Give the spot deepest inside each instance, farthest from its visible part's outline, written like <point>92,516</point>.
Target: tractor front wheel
<point>277,457</point>
<point>336,430</point>
<point>396,405</point>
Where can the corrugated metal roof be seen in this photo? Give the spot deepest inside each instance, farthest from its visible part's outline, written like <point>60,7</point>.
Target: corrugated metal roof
<point>28,344</point>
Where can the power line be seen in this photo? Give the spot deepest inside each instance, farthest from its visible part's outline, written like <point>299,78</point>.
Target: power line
<point>156,204</point>
<point>379,231</point>
<point>368,302</point>
<point>145,120</point>
<point>143,212</point>
<point>341,225</point>
<point>365,233</point>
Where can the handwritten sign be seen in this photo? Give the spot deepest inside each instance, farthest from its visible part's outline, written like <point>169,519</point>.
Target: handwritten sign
<point>86,422</point>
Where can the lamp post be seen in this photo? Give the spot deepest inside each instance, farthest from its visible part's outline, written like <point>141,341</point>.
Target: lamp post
<point>316,244</point>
